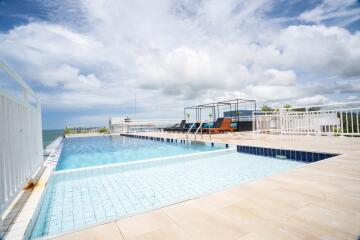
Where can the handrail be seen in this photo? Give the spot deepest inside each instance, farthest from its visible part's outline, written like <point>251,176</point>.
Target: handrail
<point>187,134</point>
<point>197,130</point>
<point>6,68</point>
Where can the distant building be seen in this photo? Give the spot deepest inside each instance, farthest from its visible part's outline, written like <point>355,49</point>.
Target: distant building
<point>125,124</point>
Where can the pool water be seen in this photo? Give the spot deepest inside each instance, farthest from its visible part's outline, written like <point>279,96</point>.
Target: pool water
<point>86,197</point>
<point>93,151</point>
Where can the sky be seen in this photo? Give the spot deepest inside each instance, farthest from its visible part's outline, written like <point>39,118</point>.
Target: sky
<point>90,60</point>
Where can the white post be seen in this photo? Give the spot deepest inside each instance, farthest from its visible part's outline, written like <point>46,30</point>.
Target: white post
<point>352,124</point>
<point>308,117</point>
<point>341,122</point>
<point>281,121</point>
<point>357,120</point>
<point>1,222</point>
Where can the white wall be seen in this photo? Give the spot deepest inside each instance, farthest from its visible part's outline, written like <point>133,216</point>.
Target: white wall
<point>21,150</point>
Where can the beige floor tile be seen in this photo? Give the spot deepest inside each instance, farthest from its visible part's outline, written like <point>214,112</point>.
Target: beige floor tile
<point>200,224</point>
<point>171,231</point>
<point>104,231</point>
<point>269,233</point>
<point>328,217</point>
<point>143,223</point>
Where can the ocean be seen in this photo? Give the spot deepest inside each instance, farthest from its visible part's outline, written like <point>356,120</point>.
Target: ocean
<point>51,135</point>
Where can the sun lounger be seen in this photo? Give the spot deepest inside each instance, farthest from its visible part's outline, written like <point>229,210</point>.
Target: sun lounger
<point>176,127</point>
<point>221,125</point>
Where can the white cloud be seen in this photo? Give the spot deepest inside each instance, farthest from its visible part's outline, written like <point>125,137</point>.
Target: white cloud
<point>183,53</point>
<point>68,77</point>
<point>276,77</point>
<point>37,43</point>
<point>342,12</point>
<point>313,100</point>
<point>353,98</point>
<point>320,49</point>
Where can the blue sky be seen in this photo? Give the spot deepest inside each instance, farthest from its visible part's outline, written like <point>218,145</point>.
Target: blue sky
<point>89,60</point>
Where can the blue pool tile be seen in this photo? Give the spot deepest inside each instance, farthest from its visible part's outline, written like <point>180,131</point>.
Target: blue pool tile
<point>288,154</point>
<point>316,156</point>
<point>266,150</point>
<point>252,150</point>
<point>282,152</point>
<point>261,151</point>
<point>309,156</point>
<point>322,156</point>
<point>246,149</point>
<point>303,156</point>
<point>293,154</point>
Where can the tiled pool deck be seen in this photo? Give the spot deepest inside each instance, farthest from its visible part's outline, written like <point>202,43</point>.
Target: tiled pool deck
<point>316,201</point>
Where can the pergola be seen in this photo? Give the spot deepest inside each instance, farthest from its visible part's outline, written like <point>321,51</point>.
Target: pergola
<point>234,106</point>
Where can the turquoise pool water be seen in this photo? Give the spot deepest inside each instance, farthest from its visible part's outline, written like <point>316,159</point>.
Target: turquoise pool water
<point>77,199</point>
<point>93,151</point>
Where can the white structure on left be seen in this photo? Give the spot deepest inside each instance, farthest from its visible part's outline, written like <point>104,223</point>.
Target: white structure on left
<point>21,146</point>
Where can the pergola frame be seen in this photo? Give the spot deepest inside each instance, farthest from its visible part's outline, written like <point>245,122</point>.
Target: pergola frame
<point>234,105</point>
<point>197,112</point>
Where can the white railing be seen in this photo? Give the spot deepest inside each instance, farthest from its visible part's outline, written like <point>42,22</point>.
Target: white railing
<point>140,125</point>
<point>21,150</point>
<point>341,119</point>
<point>266,122</point>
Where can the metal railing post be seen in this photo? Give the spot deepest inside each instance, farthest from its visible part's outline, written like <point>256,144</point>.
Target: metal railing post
<point>197,130</point>
<point>1,221</point>
<point>209,132</point>
<point>187,134</point>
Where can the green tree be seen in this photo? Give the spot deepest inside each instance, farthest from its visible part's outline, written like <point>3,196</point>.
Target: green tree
<point>67,130</point>
<point>287,106</point>
<point>103,130</point>
<point>266,108</point>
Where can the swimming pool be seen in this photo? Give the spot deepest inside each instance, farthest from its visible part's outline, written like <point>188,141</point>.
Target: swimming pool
<point>94,151</point>
<point>86,197</point>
